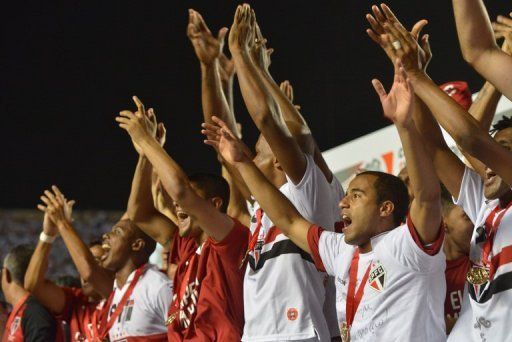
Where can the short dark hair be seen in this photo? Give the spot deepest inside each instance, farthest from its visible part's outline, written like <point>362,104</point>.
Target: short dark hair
<point>503,123</point>
<point>68,281</point>
<point>391,188</point>
<point>149,243</point>
<point>213,186</point>
<point>16,262</point>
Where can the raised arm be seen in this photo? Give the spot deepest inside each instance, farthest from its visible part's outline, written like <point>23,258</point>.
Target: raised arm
<point>87,266</point>
<point>425,209</point>
<point>274,203</point>
<point>479,47</point>
<point>208,50</point>
<point>140,208</point>
<point>47,293</point>
<point>449,167</point>
<point>175,182</point>
<point>464,129</point>
<point>260,104</point>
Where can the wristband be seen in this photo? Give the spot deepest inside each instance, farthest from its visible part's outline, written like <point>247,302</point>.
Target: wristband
<point>47,238</point>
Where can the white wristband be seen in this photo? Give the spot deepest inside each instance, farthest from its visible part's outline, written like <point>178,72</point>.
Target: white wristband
<point>47,238</point>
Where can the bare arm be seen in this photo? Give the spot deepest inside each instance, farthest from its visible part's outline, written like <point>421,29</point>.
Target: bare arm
<point>47,293</point>
<point>175,182</point>
<point>141,209</point>
<point>278,208</point>
<point>237,207</point>
<point>479,47</point>
<point>398,106</point>
<point>260,104</point>
<point>82,257</point>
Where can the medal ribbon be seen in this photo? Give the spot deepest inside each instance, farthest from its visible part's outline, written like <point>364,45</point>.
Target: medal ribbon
<point>491,228</point>
<point>105,324</point>
<point>254,236</point>
<point>354,297</point>
<point>14,312</point>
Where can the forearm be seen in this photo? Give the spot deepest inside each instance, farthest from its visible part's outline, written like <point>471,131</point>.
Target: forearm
<point>36,270</point>
<point>140,203</point>
<point>421,171</point>
<point>84,261</point>
<point>227,88</point>
<point>237,206</point>
<point>473,29</point>
<point>174,180</point>
<point>463,128</point>
<point>484,107</point>
<point>213,97</point>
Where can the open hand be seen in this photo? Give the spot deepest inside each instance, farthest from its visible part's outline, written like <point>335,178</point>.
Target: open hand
<point>387,31</point>
<point>242,34</point>
<point>139,124</point>
<point>398,103</point>
<point>56,208</point>
<point>260,54</point>
<point>503,29</point>
<point>218,135</point>
<point>206,46</point>
<point>287,88</point>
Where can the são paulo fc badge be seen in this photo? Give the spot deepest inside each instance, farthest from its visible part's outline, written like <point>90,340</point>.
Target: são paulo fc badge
<point>377,278</point>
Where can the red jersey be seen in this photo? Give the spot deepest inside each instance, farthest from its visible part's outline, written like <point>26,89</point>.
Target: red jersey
<point>29,321</point>
<point>208,300</point>
<point>456,271</point>
<point>78,313</point>
<point>182,248</point>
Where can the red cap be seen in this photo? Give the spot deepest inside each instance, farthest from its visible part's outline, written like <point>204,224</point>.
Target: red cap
<point>459,91</point>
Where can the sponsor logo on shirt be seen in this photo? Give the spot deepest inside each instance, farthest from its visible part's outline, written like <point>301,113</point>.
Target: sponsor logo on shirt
<point>15,325</point>
<point>292,314</point>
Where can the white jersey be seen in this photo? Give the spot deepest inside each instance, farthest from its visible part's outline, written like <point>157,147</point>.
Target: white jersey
<point>403,298</point>
<point>485,313</point>
<point>145,311</point>
<point>283,292</point>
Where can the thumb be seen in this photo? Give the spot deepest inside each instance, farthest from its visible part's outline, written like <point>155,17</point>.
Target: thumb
<point>425,45</point>
<point>222,34</point>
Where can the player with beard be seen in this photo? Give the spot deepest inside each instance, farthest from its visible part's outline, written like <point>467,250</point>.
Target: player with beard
<point>29,320</point>
<point>208,301</point>
<point>485,196</point>
<point>136,308</point>
<point>75,306</point>
<point>399,267</point>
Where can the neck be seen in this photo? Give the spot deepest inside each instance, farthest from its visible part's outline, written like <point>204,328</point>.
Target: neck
<point>505,199</point>
<point>365,247</point>
<point>125,271</point>
<point>201,238</point>
<point>451,250</point>
<point>15,294</point>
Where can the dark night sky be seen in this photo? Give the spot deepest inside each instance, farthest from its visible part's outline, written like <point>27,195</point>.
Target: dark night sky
<point>67,69</point>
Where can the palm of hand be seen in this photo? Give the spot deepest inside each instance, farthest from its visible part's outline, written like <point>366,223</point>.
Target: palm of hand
<point>230,150</point>
<point>397,104</point>
<point>206,46</point>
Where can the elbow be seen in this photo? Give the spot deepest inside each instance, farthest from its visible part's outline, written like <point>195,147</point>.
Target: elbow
<point>471,141</point>
<point>263,118</point>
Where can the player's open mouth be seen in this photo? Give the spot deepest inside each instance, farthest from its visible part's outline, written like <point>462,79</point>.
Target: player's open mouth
<point>346,221</point>
<point>490,177</point>
<point>106,248</point>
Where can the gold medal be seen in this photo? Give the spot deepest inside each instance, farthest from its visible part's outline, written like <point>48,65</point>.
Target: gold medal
<point>171,318</point>
<point>345,332</point>
<point>478,275</point>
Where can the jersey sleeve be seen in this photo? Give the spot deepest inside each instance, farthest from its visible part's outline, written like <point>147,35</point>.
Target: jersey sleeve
<point>471,194</point>
<point>404,245</point>
<point>313,195</point>
<point>233,247</point>
<point>327,248</point>
<point>37,323</point>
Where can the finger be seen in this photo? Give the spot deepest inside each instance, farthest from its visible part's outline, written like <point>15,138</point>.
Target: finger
<point>124,126</point>
<point>504,20</point>
<point>200,22</point>
<point>152,116</point>
<point>426,45</point>
<point>41,207</point>
<point>389,13</point>
<point>140,106</point>
<point>57,191</point>
<point>406,36</point>
<point>378,14</point>
<point>501,27</point>
<point>127,113</point>
<point>379,88</point>
<point>499,34</point>
<point>373,36</point>
<point>52,198</point>
<point>122,120</point>
<point>210,127</point>
<point>213,143</point>
<point>45,200</point>
<point>416,29</point>
<point>71,203</point>
<point>219,122</point>
<point>222,35</point>
<point>375,25</point>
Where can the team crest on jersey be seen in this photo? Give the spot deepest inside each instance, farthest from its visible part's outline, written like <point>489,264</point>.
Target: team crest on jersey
<point>15,325</point>
<point>292,314</point>
<point>377,278</point>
